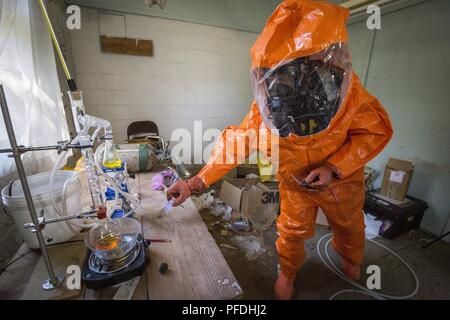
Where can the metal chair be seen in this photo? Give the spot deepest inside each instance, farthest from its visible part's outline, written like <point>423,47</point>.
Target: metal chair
<point>142,129</point>
<point>147,132</point>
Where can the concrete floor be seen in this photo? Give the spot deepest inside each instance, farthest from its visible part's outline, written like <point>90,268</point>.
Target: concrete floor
<point>316,281</point>
<point>10,239</point>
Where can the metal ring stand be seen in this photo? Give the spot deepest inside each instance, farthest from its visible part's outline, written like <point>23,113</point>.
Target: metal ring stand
<point>38,222</point>
<point>54,280</point>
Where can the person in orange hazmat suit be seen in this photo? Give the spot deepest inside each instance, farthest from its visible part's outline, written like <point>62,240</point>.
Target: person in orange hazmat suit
<point>328,127</point>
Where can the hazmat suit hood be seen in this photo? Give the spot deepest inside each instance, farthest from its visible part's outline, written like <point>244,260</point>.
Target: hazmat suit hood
<point>301,67</point>
<point>305,89</point>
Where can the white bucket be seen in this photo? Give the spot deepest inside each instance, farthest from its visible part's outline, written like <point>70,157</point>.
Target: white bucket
<point>16,205</point>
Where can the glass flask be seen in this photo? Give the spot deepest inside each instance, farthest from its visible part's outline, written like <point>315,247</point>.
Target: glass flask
<point>111,158</point>
<point>112,239</point>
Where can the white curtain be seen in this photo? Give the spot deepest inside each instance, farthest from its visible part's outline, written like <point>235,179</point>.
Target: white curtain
<point>29,77</point>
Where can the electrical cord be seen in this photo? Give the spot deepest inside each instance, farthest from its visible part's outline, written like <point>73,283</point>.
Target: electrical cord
<point>14,261</point>
<point>363,290</point>
<point>30,251</point>
<point>64,243</point>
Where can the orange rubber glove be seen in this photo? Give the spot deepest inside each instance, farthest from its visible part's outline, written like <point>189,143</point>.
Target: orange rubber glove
<point>320,177</point>
<point>181,190</point>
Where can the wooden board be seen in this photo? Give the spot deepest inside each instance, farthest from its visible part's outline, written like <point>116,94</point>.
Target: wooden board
<point>197,268</point>
<point>135,47</point>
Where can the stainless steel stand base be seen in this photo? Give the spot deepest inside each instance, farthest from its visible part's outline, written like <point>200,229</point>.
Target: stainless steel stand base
<point>49,285</point>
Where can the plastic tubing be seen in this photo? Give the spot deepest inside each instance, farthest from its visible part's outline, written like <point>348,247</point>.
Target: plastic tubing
<point>60,213</point>
<point>63,212</point>
<point>110,182</point>
<point>94,135</point>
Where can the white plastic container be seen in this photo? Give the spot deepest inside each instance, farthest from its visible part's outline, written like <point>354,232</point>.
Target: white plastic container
<point>16,205</point>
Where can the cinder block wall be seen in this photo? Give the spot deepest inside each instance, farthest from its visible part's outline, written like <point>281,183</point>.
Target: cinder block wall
<point>198,72</point>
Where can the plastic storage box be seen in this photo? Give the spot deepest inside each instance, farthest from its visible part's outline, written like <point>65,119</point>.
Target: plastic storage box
<point>397,218</point>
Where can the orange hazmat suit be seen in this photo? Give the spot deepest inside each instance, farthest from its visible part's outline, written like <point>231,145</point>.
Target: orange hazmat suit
<point>355,130</point>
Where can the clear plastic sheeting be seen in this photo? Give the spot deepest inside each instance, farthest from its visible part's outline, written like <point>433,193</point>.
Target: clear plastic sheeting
<point>7,19</point>
<point>303,95</point>
<point>28,75</point>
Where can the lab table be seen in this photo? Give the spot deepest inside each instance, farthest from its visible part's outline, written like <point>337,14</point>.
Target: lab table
<point>197,269</point>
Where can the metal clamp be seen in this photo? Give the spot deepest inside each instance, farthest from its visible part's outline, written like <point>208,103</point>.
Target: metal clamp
<point>42,222</point>
<point>60,147</point>
<point>39,226</point>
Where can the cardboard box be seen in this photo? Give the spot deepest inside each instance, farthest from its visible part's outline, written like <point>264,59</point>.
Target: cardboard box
<point>245,169</point>
<point>256,201</point>
<point>397,177</point>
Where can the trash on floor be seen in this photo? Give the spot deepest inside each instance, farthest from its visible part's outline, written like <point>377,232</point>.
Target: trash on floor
<point>372,226</point>
<point>221,209</point>
<point>250,244</point>
<point>385,226</point>
<point>204,201</point>
<point>240,225</point>
<point>227,246</point>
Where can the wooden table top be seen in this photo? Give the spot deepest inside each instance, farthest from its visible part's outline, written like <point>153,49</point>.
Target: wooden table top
<point>197,268</point>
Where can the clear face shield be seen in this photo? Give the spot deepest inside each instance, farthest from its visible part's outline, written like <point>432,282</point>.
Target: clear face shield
<point>302,96</point>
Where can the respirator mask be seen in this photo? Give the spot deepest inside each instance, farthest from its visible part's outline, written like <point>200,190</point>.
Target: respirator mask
<point>302,96</point>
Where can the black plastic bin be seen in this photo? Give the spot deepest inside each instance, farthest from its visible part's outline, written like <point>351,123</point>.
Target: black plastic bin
<point>401,218</point>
